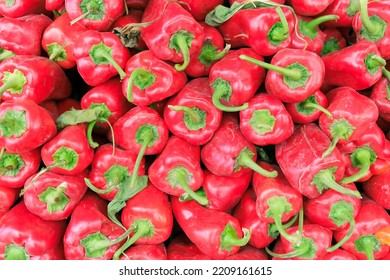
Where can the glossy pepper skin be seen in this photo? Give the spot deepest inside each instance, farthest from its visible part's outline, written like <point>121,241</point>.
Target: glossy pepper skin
<point>212,50</point>
<point>25,236</point>
<point>182,248</point>
<point>266,30</point>
<point>145,252</point>
<point>32,77</point>
<point>309,7</point>
<point>221,234</point>
<point>344,9</point>
<point>172,33</point>
<point>12,42</point>
<point>100,56</point>
<point>380,94</point>
<point>191,115</point>
<point>235,81</point>
<point>69,152</point>
<point>339,254</point>
<point>52,5</point>
<point>360,63</point>
<point>149,79</point>
<point>149,213</point>
<point>52,196</point>
<point>229,153</point>
<point>15,9</point>
<point>363,242</point>
<point>95,14</point>
<point>59,38</point>
<point>352,115</point>
<point>33,127</point>
<point>90,234</point>
<point>8,197</point>
<point>377,188</point>
<point>266,121</point>
<point>224,192</point>
<point>249,253</point>
<point>109,170</point>
<point>301,161</point>
<point>199,9</point>
<point>177,169</point>
<point>371,23</point>
<point>293,74</point>
<point>16,168</point>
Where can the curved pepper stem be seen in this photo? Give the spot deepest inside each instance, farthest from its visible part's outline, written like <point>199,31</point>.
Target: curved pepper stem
<point>223,90</point>
<point>345,238</point>
<point>229,238</point>
<point>194,118</point>
<point>309,28</point>
<point>371,27</point>
<point>306,248</point>
<point>181,42</point>
<point>339,129</point>
<point>209,53</point>
<point>141,228</point>
<point>244,159</point>
<point>311,103</point>
<point>362,157</point>
<point>386,73</point>
<point>142,79</point>
<point>280,30</point>
<point>96,189</point>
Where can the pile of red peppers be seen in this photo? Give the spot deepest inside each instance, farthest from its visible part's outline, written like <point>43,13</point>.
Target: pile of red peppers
<point>192,129</point>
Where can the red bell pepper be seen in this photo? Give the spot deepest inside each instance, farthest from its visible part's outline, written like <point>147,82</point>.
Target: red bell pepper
<point>12,39</point>
<point>145,252</point>
<point>52,5</point>
<point>59,38</point>
<point>334,40</point>
<point>182,248</point>
<point>371,23</point>
<point>345,9</point>
<point>360,63</point>
<point>235,81</point>
<point>301,161</point>
<point>95,14</point>
<point>229,153</point>
<point>352,115</point>
<point>100,56</point>
<point>310,109</point>
<point>68,153</point>
<point>16,168</point>
<point>15,9</point>
<point>24,125</point>
<point>149,214</point>
<point>149,79</point>
<point>177,170</point>
<point>293,74</point>
<point>199,8</point>
<point>380,94</point>
<point>334,211</point>
<point>224,192</point>
<point>266,121</point>
<point>212,50</point>
<point>191,114</point>
<point>309,7</point>
<point>171,32</point>
<point>339,254</point>
<point>52,196</point>
<point>377,188</point>
<point>8,197</point>
<point>221,234</point>
<point>363,242</point>
<point>33,77</point>
<point>90,234</point>
<point>109,170</point>
<point>25,236</point>
<point>266,29</point>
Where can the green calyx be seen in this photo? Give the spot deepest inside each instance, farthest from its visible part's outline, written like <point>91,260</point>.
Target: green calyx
<point>65,158</point>
<point>279,32</point>
<point>101,54</point>
<point>310,105</point>
<point>140,78</point>
<point>11,164</point>
<point>4,54</point>
<point>245,159</point>
<point>339,129</point>
<point>115,175</point>
<point>194,118</point>
<point>56,52</point>
<point>10,3</point>
<point>181,177</point>
<point>229,238</point>
<point>92,9</point>
<point>15,252</point>
<point>210,53</point>
<point>262,121</point>
<point>330,45</point>
<point>368,245</point>
<point>374,27</point>
<point>223,90</point>
<point>13,123</point>
<point>362,157</point>
<point>181,42</point>
<point>305,249</point>
<point>374,63</point>
<point>13,82</point>
<point>353,7</point>
<point>55,198</point>
<point>310,28</point>
<point>325,179</point>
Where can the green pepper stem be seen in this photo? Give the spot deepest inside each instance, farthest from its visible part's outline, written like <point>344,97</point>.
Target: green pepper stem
<point>358,175</point>
<point>190,111</point>
<point>283,20</point>
<point>147,140</point>
<point>100,52</point>
<point>245,160</point>
<point>221,54</point>
<point>326,178</point>
<point>134,75</point>
<point>57,52</point>
<point>97,190</point>
<point>301,220</point>
<point>345,238</point>
<point>183,47</point>
<point>80,17</point>
<point>295,253</point>
<point>4,54</point>
<point>313,24</point>
<point>90,127</point>
<point>229,239</point>
<point>292,238</point>
<point>331,147</point>
<point>374,61</point>
<point>367,23</point>
<point>107,243</point>
<point>319,108</point>
<point>290,73</point>
<point>386,73</point>
<point>216,98</point>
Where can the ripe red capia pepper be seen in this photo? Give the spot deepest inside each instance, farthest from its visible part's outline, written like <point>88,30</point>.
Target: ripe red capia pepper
<point>309,7</point>
<point>15,9</point>
<point>8,197</point>
<point>377,188</point>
